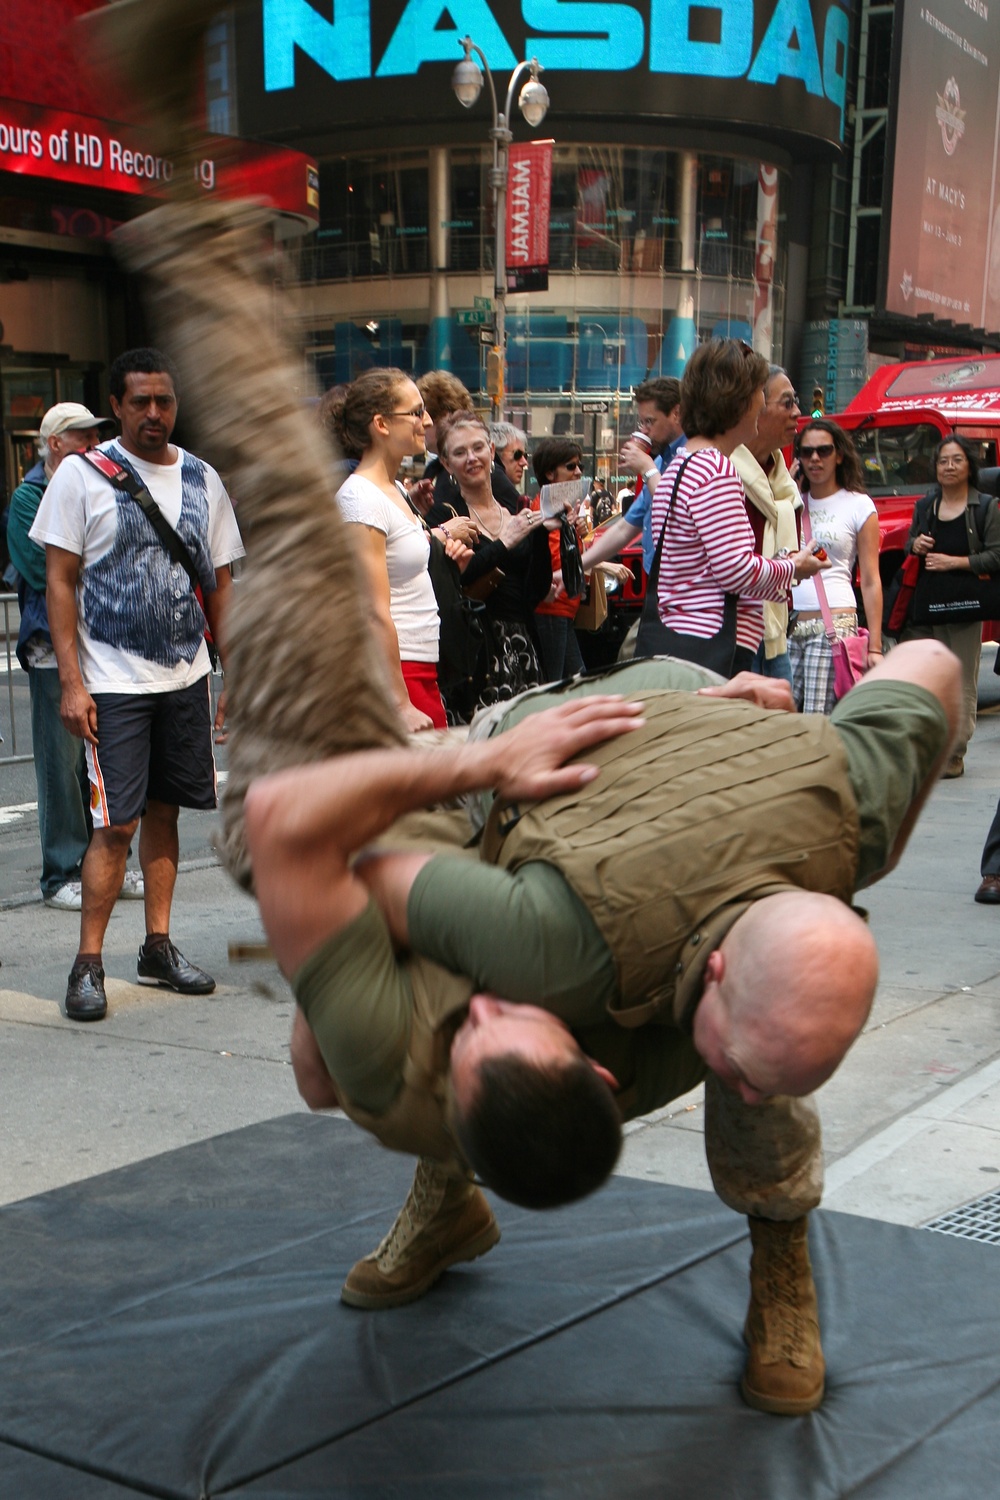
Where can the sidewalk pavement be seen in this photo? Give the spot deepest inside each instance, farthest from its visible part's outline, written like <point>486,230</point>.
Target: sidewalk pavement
<point>911,1120</point>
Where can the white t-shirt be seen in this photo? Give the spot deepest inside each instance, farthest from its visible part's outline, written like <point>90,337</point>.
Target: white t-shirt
<point>835,522</point>
<point>412,603</point>
<point>139,624</point>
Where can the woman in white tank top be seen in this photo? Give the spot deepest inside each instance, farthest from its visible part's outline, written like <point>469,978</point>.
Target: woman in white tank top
<point>380,421</point>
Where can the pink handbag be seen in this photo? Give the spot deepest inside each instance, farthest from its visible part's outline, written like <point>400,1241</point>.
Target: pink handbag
<point>850,653</point>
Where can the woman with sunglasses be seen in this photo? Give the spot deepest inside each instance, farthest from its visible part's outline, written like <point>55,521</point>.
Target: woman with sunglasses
<point>707,580</point>
<point>380,420</point>
<point>945,532</point>
<point>844,523</point>
<point>556,460</point>
<point>510,571</point>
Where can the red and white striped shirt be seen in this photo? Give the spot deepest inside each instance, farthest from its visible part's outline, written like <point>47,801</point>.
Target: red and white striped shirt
<point>708,551</point>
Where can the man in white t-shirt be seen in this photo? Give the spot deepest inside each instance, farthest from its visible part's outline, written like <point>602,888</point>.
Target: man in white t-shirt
<point>129,638</point>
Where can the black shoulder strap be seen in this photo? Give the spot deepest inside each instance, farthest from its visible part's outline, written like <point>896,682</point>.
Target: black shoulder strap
<point>654,572</point>
<point>123,479</point>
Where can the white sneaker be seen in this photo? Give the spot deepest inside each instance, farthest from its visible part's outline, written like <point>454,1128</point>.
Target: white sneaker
<point>68,897</point>
<point>133,886</point>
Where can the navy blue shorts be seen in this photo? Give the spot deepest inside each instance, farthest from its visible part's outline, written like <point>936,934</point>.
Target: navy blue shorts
<point>151,746</point>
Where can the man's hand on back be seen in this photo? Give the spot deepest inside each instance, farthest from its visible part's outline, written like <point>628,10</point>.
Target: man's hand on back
<point>766,692</point>
<point>536,751</point>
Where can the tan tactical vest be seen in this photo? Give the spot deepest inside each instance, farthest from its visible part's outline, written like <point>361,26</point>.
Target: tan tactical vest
<point>741,805</point>
<point>656,848</point>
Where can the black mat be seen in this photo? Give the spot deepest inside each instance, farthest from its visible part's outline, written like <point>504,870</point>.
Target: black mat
<point>173,1329</point>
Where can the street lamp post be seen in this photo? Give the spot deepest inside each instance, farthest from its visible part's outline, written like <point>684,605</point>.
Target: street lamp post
<point>533,102</point>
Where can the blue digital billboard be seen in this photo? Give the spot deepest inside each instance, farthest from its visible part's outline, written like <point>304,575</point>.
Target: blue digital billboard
<point>307,68</point>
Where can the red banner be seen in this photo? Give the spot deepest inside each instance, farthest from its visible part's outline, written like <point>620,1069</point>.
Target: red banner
<point>64,147</point>
<point>529,194</point>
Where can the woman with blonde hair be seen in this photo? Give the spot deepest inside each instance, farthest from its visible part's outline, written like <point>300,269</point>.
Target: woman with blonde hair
<point>511,569</point>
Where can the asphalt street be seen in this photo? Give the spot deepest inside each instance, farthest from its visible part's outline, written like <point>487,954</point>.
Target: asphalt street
<point>911,1120</point>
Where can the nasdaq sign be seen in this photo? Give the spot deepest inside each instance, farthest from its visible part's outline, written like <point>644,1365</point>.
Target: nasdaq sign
<point>779,63</point>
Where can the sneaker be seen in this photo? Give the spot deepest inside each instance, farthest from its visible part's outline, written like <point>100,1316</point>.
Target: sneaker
<point>85,997</point>
<point>69,897</point>
<point>988,893</point>
<point>444,1220</point>
<point>133,886</point>
<point>168,967</point>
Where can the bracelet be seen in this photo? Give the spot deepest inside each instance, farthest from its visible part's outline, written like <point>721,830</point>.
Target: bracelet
<point>872,652</point>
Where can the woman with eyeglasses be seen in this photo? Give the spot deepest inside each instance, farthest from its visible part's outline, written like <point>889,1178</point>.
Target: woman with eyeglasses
<point>844,523</point>
<point>380,420</point>
<point>708,582</point>
<point>510,571</point>
<point>956,529</point>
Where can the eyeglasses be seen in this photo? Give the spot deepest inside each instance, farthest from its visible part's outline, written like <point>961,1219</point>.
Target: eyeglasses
<point>822,450</point>
<point>954,462</point>
<point>416,414</point>
<point>517,455</point>
<point>574,463</point>
<point>787,401</point>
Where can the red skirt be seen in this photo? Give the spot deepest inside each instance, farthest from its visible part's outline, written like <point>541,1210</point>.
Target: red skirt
<point>421,680</point>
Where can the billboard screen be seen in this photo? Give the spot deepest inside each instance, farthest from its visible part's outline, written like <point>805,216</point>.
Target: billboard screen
<point>944,239</point>
<point>310,68</point>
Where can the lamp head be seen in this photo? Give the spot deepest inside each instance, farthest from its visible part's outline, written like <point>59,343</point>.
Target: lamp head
<point>533,100</point>
<point>467,79</point>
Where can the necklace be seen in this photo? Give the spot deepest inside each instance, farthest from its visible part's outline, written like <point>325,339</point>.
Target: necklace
<point>496,515</point>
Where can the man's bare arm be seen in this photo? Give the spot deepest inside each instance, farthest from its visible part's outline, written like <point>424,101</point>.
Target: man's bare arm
<point>608,543</point>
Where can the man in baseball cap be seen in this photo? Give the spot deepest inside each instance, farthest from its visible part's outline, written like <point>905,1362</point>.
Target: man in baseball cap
<point>69,416</point>
<point>60,772</point>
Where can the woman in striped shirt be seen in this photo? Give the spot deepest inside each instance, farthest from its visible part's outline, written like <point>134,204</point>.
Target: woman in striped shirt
<point>711,583</point>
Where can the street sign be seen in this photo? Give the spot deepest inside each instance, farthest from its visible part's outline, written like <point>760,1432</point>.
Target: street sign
<point>473,315</point>
<point>591,408</point>
<point>486,303</point>
<point>487,334</point>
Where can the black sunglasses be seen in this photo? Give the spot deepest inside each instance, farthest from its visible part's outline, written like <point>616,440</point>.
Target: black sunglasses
<point>822,450</point>
<point>517,455</point>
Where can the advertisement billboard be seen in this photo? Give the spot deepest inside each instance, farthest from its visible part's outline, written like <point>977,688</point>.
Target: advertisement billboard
<point>943,257</point>
<point>310,69</point>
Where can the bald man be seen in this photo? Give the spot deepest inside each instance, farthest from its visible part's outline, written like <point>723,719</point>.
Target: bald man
<point>675,907</point>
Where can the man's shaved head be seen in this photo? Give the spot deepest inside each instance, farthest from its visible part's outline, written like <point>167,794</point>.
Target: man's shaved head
<point>786,994</point>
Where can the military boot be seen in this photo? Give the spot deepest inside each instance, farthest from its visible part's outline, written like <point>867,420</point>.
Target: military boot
<point>785,1372</point>
<point>445,1219</point>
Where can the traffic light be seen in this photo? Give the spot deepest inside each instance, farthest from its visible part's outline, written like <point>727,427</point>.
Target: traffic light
<point>494,374</point>
<point>817,409</point>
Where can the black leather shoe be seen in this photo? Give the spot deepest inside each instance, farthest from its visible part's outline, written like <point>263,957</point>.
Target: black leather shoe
<point>988,893</point>
<point>85,997</point>
<point>167,967</point>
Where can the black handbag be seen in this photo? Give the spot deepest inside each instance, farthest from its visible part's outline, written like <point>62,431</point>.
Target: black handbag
<point>656,639</point>
<point>958,597</point>
<point>569,559</point>
<point>462,642</point>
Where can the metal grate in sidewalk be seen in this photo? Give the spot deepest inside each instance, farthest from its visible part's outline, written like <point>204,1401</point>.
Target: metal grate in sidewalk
<point>978,1220</point>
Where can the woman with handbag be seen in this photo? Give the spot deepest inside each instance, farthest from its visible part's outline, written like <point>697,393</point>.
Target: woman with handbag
<point>955,533</point>
<point>510,571</point>
<point>380,420</point>
<point>841,518</point>
<point>705,593</point>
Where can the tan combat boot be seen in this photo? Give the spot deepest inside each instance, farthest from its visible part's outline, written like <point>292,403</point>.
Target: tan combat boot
<point>785,1373</point>
<point>445,1219</point>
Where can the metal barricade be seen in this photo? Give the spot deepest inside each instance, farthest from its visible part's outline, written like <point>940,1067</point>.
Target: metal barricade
<point>12,665</point>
